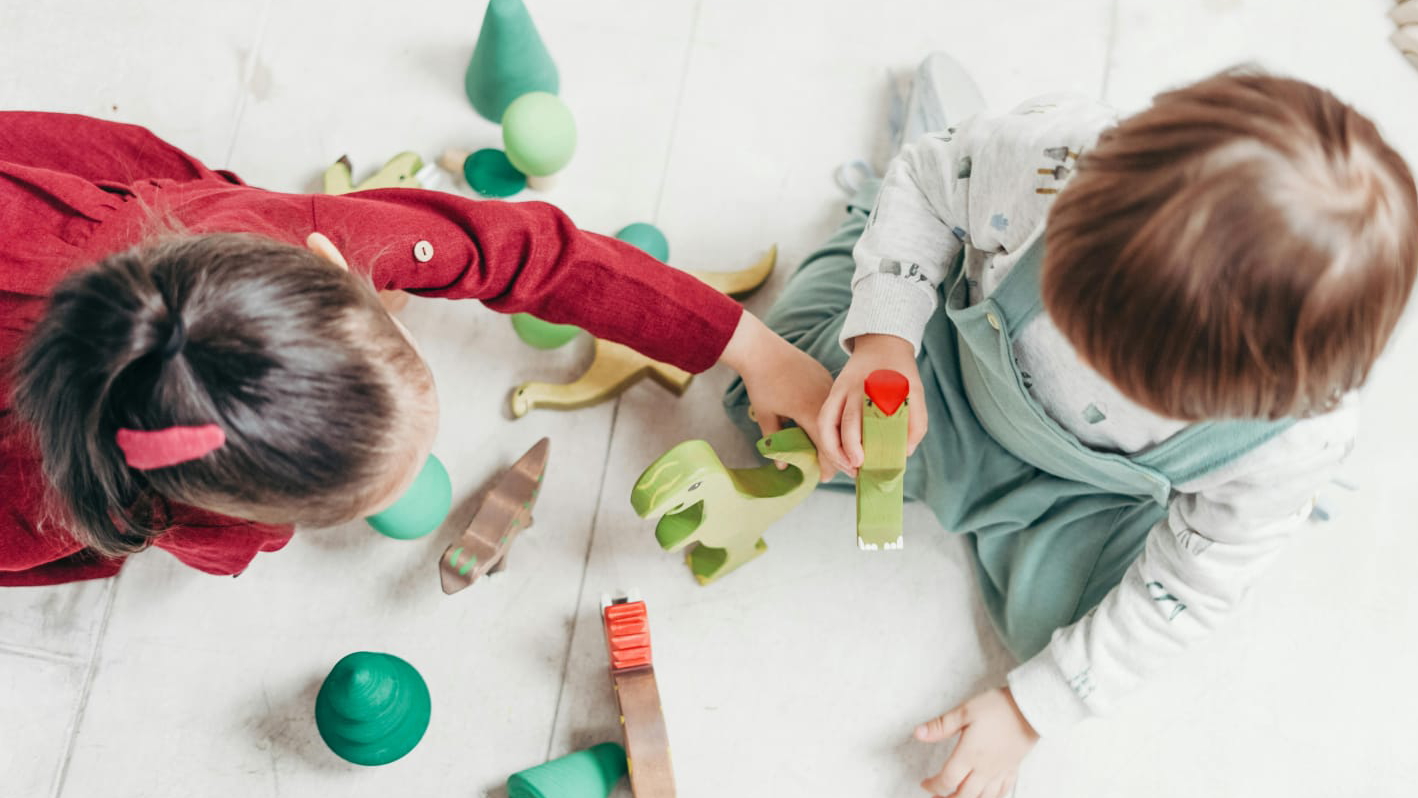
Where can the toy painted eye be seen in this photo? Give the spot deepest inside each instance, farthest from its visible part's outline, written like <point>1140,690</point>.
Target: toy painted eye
<point>695,486</point>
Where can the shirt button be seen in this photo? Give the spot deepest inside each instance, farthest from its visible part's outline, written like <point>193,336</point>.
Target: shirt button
<point>423,252</point>
<point>993,320</point>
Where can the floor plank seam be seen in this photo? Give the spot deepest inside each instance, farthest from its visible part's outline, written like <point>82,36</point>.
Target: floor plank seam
<point>679,107</point>
<point>86,689</point>
<point>1109,46</point>
<point>243,92</point>
<point>581,587</point>
<point>44,655</point>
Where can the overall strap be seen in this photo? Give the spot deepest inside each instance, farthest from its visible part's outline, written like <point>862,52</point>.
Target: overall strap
<point>1019,296</point>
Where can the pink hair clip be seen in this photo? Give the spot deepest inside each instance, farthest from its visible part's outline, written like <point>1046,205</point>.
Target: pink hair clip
<point>146,450</point>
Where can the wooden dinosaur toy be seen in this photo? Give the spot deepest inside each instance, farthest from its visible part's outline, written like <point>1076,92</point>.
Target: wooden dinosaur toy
<point>881,477</point>
<point>506,511</point>
<point>401,171</point>
<point>615,367</point>
<point>1405,38</point>
<point>723,512</point>
<point>647,743</point>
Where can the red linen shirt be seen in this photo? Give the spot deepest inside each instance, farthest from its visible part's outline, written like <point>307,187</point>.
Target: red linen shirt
<point>74,189</point>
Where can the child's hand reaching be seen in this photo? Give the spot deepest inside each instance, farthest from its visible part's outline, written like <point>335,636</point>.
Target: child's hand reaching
<point>994,738</point>
<point>783,382</point>
<point>841,419</point>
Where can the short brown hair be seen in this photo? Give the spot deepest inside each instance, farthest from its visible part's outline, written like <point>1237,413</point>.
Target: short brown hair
<point>1243,248</point>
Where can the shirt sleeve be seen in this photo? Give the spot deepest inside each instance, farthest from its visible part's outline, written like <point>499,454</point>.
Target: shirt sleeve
<point>529,257</point>
<point>986,184</point>
<point>914,231</point>
<point>1220,534</point>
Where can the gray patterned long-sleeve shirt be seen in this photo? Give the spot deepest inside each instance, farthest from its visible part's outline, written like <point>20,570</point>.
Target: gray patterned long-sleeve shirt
<point>985,187</point>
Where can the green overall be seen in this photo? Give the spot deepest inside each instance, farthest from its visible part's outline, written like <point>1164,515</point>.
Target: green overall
<point>1052,524</point>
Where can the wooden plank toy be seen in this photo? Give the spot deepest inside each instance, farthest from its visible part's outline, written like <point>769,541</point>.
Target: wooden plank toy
<point>615,367</point>
<point>642,721</point>
<point>881,477</point>
<point>721,513</point>
<point>505,512</point>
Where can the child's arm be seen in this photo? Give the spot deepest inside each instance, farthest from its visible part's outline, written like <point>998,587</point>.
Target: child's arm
<point>915,230</point>
<point>983,187</point>
<point>1220,535</point>
<point>529,257</point>
<point>1184,585</point>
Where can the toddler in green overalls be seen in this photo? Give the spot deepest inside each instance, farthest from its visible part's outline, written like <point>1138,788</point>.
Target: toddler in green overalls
<point>1136,344</point>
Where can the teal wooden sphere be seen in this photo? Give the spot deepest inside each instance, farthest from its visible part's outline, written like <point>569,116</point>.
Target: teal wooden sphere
<point>538,134</point>
<point>422,507</point>
<point>542,334</point>
<point>647,237</point>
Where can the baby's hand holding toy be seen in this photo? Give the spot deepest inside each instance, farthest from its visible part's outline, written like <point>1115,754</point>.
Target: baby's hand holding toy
<point>994,739</point>
<point>841,418</point>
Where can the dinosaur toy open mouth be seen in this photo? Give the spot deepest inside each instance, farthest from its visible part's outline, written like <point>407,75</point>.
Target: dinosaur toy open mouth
<point>678,524</point>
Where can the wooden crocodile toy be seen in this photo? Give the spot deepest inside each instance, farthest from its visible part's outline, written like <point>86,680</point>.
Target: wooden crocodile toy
<point>615,367</point>
<point>722,513</point>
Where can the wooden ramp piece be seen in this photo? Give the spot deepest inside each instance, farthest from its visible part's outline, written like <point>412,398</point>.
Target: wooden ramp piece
<point>647,743</point>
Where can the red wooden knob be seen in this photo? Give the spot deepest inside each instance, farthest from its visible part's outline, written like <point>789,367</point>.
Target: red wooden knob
<point>887,389</point>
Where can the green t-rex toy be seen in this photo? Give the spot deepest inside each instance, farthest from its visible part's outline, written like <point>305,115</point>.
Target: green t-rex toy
<point>724,511</point>
<point>399,172</point>
<point>880,479</point>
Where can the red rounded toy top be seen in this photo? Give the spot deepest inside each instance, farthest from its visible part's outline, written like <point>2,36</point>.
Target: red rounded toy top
<point>887,389</point>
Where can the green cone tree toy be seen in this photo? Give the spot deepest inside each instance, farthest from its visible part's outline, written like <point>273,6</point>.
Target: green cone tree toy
<point>372,709</point>
<point>508,61</point>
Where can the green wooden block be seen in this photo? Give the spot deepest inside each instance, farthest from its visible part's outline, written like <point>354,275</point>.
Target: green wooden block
<point>721,513</point>
<point>881,478</point>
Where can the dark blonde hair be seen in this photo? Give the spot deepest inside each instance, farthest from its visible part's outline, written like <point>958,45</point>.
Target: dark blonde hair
<point>1243,248</point>
<point>293,357</point>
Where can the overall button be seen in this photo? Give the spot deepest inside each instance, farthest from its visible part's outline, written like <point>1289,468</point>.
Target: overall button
<point>423,252</point>
<point>993,320</point>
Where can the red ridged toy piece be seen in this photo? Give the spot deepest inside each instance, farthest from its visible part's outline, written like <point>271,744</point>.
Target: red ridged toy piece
<point>887,389</point>
<point>628,635</point>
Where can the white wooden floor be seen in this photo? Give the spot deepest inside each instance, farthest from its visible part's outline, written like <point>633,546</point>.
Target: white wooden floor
<point>721,121</point>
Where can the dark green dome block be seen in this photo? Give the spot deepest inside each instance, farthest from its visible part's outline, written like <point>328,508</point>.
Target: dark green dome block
<point>591,773</point>
<point>508,61</point>
<point>647,237</point>
<point>542,334</point>
<point>422,507</point>
<point>490,173</point>
<point>372,709</point>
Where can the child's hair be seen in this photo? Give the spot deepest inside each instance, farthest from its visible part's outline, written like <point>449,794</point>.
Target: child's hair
<point>293,357</point>
<point>1243,248</point>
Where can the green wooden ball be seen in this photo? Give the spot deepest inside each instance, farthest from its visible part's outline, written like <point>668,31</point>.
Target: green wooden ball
<point>647,237</point>
<point>542,334</point>
<point>538,134</point>
<point>422,507</point>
